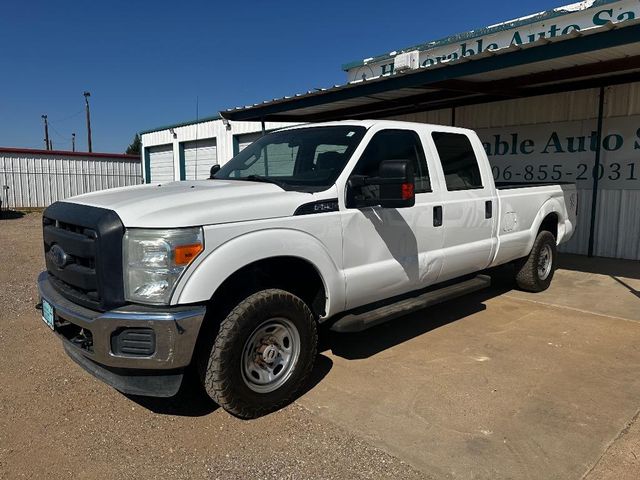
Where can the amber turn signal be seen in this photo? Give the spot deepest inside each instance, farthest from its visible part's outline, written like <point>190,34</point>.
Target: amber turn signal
<point>184,254</point>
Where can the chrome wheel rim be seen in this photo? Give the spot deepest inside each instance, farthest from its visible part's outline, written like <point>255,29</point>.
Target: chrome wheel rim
<point>545,261</point>
<point>270,355</point>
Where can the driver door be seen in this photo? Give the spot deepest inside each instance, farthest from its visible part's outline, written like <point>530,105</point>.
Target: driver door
<point>389,251</point>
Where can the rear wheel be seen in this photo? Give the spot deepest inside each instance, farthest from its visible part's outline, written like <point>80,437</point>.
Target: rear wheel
<point>262,355</point>
<point>535,272</point>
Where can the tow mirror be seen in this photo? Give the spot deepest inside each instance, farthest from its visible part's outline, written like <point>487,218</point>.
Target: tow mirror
<point>213,171</point>
<point>396,181</point>
<point>397,184</point>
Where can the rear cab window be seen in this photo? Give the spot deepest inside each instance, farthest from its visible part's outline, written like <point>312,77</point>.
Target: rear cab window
<point>458,159</point>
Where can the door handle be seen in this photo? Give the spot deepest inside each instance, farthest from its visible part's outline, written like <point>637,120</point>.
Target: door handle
<point>437,216</point>
<point>488,209</point>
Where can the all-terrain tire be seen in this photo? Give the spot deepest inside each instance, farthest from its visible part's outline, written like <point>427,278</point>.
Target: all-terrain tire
<point>221,362</point>
<point>530,274</point>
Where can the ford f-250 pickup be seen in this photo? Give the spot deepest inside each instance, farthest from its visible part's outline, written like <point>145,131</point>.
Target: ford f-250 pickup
<point>346,223</point>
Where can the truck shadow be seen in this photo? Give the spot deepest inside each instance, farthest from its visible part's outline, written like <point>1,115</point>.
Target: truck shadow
<point>353,346</point>
<point>192,401</point>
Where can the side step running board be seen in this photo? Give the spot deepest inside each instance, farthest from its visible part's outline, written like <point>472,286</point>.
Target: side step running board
<point>357,322</point>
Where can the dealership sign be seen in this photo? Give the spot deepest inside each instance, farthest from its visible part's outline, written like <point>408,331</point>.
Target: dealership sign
<point>549,24</point>
<point>566,152</point>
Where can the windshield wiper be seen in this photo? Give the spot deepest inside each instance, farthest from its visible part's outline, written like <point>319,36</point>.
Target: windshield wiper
<point>260,178</point>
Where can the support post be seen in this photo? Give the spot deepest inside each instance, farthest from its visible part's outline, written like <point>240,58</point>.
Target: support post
<point>266,158</point>
<point>86,101</point>
<point>46,133</point>
<point>596,172</point>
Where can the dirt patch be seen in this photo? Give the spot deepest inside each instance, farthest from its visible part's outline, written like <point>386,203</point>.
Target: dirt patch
<point>56,421</point>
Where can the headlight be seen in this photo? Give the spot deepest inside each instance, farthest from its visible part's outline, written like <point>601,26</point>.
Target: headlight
<point>155,259</point>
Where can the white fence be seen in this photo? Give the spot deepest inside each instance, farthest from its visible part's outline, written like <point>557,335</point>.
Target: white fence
<point>37,178</point>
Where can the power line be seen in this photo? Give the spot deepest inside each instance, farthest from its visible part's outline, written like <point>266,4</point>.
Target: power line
<point>55,130</point>
<point>65,140</point>
<point>70,116</point>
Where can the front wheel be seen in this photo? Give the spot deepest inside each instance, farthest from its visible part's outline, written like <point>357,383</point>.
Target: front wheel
<point>535,272</point>
<point>262,355</point>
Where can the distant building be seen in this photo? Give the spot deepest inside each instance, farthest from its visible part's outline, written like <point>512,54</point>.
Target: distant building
<point>187,151</point>
<point>36,178</point>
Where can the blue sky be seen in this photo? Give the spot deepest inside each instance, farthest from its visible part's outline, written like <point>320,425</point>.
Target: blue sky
<point>145,63</point>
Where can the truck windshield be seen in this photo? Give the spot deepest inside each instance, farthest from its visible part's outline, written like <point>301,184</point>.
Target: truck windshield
<point>306,159</point>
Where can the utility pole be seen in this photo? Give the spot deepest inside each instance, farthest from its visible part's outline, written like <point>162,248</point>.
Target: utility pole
<point>50,144</point>
<point>46,133</point>
<point>73,142</point>
<point>86,101</point>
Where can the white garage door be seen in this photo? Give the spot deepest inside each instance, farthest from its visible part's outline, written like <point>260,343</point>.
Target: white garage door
<point>247,139</point>
<point>199,157</point>
<point>161,163</point>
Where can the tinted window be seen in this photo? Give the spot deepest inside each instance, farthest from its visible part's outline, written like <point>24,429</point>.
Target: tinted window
<point>459,161</point>
<point>395,145</point>
<point>274,160</point>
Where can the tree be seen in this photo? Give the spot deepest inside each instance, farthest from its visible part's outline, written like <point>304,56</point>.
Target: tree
<point>136,146</point>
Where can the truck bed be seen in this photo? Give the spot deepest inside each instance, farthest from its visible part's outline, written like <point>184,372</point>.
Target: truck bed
<point>519,205</point>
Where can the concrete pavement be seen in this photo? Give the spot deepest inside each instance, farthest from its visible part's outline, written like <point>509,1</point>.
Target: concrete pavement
<point>501,384</point>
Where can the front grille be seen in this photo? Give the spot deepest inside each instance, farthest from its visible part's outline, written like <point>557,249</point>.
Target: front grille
<point>83,254</point>
<point>77,275</point>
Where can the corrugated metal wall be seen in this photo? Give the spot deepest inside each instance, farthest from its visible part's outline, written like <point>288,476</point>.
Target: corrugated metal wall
<point>617,228</point>
<point>39,179</point>
<point>211,129</point>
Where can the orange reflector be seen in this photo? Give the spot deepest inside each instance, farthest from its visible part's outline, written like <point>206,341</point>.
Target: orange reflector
<point>407,191</point>
<point>184,254</point>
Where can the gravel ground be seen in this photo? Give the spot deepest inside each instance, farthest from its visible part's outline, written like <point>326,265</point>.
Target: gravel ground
<point>56,421</point>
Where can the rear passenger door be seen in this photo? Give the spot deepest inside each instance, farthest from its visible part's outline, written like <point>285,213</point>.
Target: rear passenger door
<point>389,251</point>
<point>468,205</point>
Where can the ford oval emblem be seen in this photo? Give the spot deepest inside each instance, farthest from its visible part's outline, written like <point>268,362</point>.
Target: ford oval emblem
<point>58,256</point>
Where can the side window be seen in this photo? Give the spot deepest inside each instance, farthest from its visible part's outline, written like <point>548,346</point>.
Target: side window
<point>458,160</point>
<point>395,145</point>
<point>329,157</point>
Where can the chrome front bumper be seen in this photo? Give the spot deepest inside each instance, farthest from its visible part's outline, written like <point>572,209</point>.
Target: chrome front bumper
<point>176,331</point>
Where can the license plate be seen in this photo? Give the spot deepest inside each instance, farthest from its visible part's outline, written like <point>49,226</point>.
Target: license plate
<point>47,314</point>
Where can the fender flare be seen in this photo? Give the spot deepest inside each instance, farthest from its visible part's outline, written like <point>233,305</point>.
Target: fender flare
<point>212,271</point>
<point>552,205</point>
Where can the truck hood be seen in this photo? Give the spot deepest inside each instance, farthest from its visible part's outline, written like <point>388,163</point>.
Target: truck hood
<point>195,203</point>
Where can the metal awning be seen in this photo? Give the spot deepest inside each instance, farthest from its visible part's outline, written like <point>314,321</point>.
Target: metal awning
<point>604,55</point>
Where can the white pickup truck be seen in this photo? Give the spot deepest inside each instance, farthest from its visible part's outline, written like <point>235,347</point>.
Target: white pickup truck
<point>346,224</point>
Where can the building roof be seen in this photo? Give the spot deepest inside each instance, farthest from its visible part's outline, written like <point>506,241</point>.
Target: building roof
<point>182,124</point>
<point>37,151</point>
<point>602,55</point>
<point>482,32</point>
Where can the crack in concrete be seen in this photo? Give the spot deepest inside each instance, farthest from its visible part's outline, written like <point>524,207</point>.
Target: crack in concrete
<point>572,308</point>
<point>620,434</point>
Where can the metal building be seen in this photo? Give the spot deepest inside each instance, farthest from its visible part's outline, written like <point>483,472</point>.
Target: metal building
<point>36,178</point>
<point>186,151</point>
<point>555,96</point>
